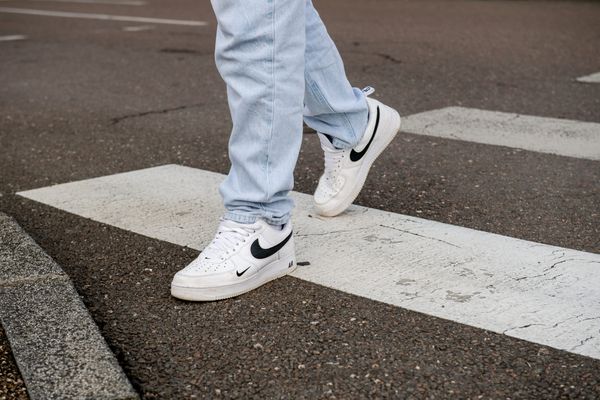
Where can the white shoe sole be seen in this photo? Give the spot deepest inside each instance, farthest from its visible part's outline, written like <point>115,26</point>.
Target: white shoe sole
<point>269,272</point>
<point>391,127</point>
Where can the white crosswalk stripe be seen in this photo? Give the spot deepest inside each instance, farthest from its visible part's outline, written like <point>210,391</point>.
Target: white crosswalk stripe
<point>541,293</point>
<point>593,78</point>
<point>547,135</point>
<point>111,2</point>
<point>102,17</point>
<point>10,38</point>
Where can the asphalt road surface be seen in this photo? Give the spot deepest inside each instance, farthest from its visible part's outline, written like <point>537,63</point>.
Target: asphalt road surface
<point>83,98</point>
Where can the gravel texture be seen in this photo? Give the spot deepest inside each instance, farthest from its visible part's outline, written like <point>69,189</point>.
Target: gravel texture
<point>12,386</point>
<point>84,99</point>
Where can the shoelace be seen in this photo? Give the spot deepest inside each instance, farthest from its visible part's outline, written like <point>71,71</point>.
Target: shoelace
<point>333,161</point>
<point>226,240</point>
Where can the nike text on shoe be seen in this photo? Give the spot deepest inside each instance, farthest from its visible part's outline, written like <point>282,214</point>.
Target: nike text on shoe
<point>240,258</point>
<point>346,170</point>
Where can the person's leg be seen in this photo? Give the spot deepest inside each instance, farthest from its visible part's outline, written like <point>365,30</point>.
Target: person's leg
<point>332,106</point>
<point>259,53</point>
<point>353,130</point>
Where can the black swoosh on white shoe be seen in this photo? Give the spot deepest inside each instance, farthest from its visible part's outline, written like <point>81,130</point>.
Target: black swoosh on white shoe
<point>260,253</point>
<point>242,273</point>
<point>357,155</point>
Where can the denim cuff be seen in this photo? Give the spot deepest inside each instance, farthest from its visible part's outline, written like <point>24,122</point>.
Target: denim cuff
<point>244,218</point>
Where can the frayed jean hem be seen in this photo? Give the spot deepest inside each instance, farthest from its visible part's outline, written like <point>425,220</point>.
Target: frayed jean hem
<point>244,218</point>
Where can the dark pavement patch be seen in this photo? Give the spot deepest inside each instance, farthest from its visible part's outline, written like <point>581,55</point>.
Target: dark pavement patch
<point>12,386</point>
<point>289,339</point>
<point>57,346</point>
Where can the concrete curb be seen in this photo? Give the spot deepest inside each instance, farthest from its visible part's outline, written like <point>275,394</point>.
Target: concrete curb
<point>58,348</point>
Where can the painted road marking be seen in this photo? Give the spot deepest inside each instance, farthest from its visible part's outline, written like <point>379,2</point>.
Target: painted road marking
<point>103,17</point>
<point>593,78</point>
<point>545,294</point>
<point>10,38</point>
<point>138,28</point>
<point>111,2</point>
<point>547,135</point>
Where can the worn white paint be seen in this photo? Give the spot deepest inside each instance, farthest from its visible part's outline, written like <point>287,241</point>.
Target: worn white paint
<point>111,2</point>
<point>103,17</point>
<point>138,28</point>
<point>541,293</point>
<point>593,78</point>
<point>10,38</point>
<point>546,135</point>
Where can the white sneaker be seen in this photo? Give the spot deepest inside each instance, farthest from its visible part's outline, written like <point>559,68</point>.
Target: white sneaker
<point>240,258</point>
<point>346,170</point>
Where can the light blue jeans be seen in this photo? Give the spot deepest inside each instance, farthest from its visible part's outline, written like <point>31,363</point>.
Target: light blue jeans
<point>280,67</point>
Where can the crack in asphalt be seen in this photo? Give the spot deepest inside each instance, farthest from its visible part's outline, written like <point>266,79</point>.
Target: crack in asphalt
<point>331,232</point>
<point>558,262</point>
<point>183,51</point>
<point>565,320</point>
<point>116,120</point>
<point>581,343</point>
<point>423,236</point>
<point>385,56</point>
<point>389,57</point>
<point>520,327</point>
<point>549,269</point>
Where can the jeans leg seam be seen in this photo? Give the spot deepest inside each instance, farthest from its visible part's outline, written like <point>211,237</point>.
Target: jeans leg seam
<point>272,122</point>
<point>315,89</point>
<point>318,94</point>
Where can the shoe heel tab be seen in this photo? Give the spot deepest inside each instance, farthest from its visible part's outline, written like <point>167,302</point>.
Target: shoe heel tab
<point>368,90</point>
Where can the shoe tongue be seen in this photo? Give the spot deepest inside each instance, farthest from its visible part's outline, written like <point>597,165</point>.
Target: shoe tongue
<point>326,142</point>
<point>228,223</point>
<point>233,224</point>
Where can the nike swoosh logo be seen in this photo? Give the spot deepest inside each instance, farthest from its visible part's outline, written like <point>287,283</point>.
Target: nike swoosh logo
<point>260,253</point>
<point>355,155</point>
<point>241,273</point>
